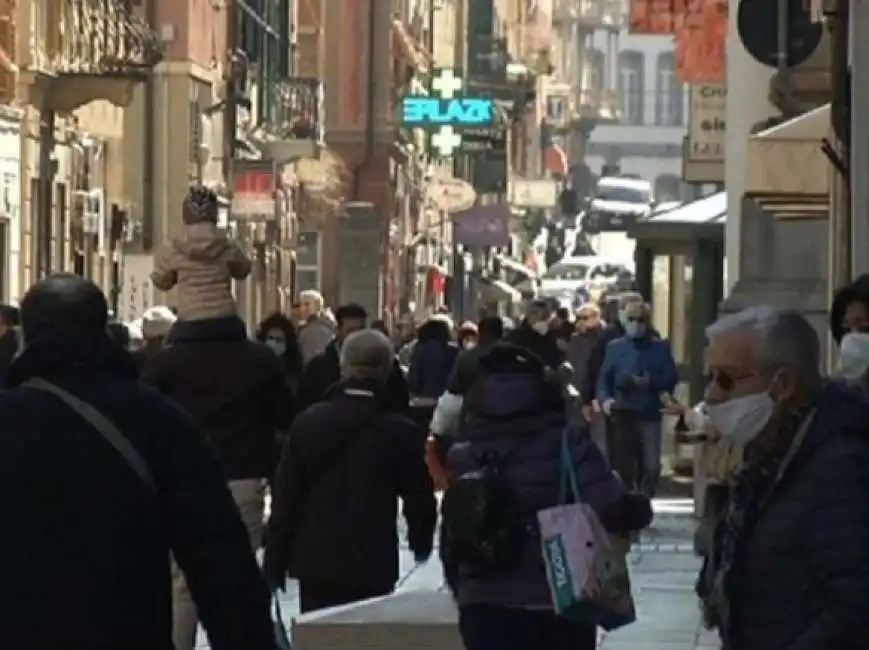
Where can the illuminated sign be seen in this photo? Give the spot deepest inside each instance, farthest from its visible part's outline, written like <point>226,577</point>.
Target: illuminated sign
<point>447,112</point>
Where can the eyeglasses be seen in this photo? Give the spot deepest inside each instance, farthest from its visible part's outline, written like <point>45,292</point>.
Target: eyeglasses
<point>727,381</point>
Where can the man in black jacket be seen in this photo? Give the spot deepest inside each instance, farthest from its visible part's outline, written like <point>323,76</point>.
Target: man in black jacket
<point>334,500</point>
<point>536,335</point>
<point>98,519</point>
<point>237,392</point>
<point>489,331</point>
<point>323,371</point>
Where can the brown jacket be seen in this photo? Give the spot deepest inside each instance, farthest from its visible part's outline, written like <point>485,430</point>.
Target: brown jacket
<point>202,262</point>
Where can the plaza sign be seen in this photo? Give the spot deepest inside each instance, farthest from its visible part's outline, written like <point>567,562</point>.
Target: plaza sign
<point>445,113</point>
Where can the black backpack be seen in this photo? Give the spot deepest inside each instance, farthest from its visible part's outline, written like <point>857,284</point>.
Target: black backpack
<point>483,531</point>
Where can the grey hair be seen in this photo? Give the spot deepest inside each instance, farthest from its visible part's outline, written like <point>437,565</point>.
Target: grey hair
<point>367,354</point>
<point>788,337</point>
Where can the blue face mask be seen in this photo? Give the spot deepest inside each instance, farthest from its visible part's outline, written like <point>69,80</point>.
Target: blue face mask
<point>277,346</point>
<point>634,329</point>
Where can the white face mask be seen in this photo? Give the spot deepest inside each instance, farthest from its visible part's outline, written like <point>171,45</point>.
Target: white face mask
<point>740,420</point>
<point>541,327</point>
<point>854,355</point>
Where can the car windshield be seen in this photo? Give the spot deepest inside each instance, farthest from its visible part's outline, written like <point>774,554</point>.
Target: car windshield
<point>607,272</point>
<point>566,271</point>
<point>622,194</point>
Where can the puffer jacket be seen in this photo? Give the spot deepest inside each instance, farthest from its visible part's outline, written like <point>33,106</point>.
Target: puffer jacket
<point>201,263</point>
<point>801,580</point>
<point>521,417</point>
<point>431,361</point>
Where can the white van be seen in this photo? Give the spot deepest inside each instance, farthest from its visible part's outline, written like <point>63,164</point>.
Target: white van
<point>617,203</point>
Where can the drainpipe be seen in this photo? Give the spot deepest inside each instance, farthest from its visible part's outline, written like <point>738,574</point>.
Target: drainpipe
<point>369,104</point>
<point>42,261</point>
<point>149,154</point>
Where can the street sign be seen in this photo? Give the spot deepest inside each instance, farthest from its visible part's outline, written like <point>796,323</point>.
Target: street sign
<point>446,112</point>
<point>450,194</point>
<point>707,127</point>
<point>253,190</point>
<point>540,193</point>
<point>757,25</point>
<point>483,226</point>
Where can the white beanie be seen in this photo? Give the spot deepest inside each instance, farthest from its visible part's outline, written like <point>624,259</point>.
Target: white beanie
<point>157,321</point>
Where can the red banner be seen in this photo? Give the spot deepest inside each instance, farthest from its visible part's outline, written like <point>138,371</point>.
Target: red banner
<point>701,43</point>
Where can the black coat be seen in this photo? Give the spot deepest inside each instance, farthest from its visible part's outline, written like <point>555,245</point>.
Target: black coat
<point>8,350</point>
<point>324,371</point>
<point>235,389</point>
<point>335,497</point>
<point>801,578</point>
<point>86,562</point>
<point>588,390</point>
<point>544,346</point>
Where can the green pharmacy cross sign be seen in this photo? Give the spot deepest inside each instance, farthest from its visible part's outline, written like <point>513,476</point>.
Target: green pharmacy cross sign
<point>445,112</point>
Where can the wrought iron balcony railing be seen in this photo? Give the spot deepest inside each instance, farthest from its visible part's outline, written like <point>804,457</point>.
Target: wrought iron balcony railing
<point>101,38</point>
<point>294,109</point>
<point>603,14</point>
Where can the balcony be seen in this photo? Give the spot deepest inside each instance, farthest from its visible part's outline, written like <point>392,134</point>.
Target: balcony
<point>588,108</point>
<point>291,118</point>
<point>82,50</point>
<point>591,14</point>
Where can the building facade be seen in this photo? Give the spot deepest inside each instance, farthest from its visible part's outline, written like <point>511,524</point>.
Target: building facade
<point>646,140</point>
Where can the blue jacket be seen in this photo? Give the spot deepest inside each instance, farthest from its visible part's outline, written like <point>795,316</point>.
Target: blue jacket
<point>431,363</point>
<point>626,358</point>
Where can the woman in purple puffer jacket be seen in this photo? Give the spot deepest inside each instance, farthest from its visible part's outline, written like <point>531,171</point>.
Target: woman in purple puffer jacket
<point>514,406</point>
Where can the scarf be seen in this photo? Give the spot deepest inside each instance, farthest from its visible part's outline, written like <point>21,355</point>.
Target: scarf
<point>751,485</point>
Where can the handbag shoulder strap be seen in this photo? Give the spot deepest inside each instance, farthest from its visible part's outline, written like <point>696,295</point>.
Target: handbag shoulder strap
<point>103,426</point>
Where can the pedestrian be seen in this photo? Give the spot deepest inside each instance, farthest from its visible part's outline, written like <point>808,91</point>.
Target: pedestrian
<point>380,326</point>
<point>580,347</point>
<point>156,325</point>
<point>431,363</point>
<point>489,332</point>
<point>107,477</point>
<point>9,339</point>
<point>637,373</point>
<point>279,335</point>
<point>516,418</point>
<point>535,334</point>
<point>789,566</point>
<point>324,371</point>
<point>237,392</point>
<point>849,325</point>
<point>405,339</point>
<point>201,262</point>
<point>614,330</point>
<point>467,335</point>
<point>562,325</point>
<point>316,329</point>
<point>334,502</point>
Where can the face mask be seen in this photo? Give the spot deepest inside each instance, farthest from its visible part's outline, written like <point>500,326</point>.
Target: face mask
<point>854,355</point>
<point>541,328</point>
<point>634,329</point>
<point>277,346</point>
<point>740,420</point>
<point>469,343</point>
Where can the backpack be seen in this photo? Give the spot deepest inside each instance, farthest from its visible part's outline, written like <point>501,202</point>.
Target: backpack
<point>483,530</point>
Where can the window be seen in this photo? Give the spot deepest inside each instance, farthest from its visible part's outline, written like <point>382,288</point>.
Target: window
<point>595,70</point>
<point>308,254</point>
<point>631,86</point>
<point>565,271</point>
<point>668,188</point>
<point>622,194</point>
<point>556,107</point>
<point>669,93</point>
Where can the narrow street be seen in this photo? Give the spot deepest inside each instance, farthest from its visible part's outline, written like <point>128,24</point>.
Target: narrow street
<point>663,571</point>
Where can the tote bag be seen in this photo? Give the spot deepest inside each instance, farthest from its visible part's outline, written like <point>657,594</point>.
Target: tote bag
<point>587,572</point>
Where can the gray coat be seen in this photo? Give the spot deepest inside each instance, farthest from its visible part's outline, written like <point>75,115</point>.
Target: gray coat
<point>579,350</point>
<point>314,336</point>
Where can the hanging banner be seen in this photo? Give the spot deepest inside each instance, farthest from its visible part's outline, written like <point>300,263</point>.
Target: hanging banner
<point>703,158</point>
<point>483,225</point>
<point>253,190</point>
<point>701,42</point>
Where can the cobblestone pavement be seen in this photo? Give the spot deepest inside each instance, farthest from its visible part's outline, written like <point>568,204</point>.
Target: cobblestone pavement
<point>663,571</point>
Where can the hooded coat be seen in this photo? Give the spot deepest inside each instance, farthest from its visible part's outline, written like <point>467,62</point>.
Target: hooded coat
<point>201,263</point>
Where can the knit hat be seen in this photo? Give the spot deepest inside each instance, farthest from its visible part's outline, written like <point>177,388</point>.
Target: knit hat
<point>200,205</point>
<point>157,321</point>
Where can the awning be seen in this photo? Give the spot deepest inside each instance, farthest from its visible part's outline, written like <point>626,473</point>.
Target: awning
<point>516,266</point>
<point>786,160</point>
<point>498,291</point>
<point>555,160</point>
<point>410,49</point>
<point>701,219</point>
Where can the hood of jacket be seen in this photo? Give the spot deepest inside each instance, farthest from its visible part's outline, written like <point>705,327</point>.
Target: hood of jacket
<point>203,242</point>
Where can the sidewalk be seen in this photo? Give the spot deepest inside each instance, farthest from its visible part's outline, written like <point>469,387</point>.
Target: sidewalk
<point>663,571</point>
